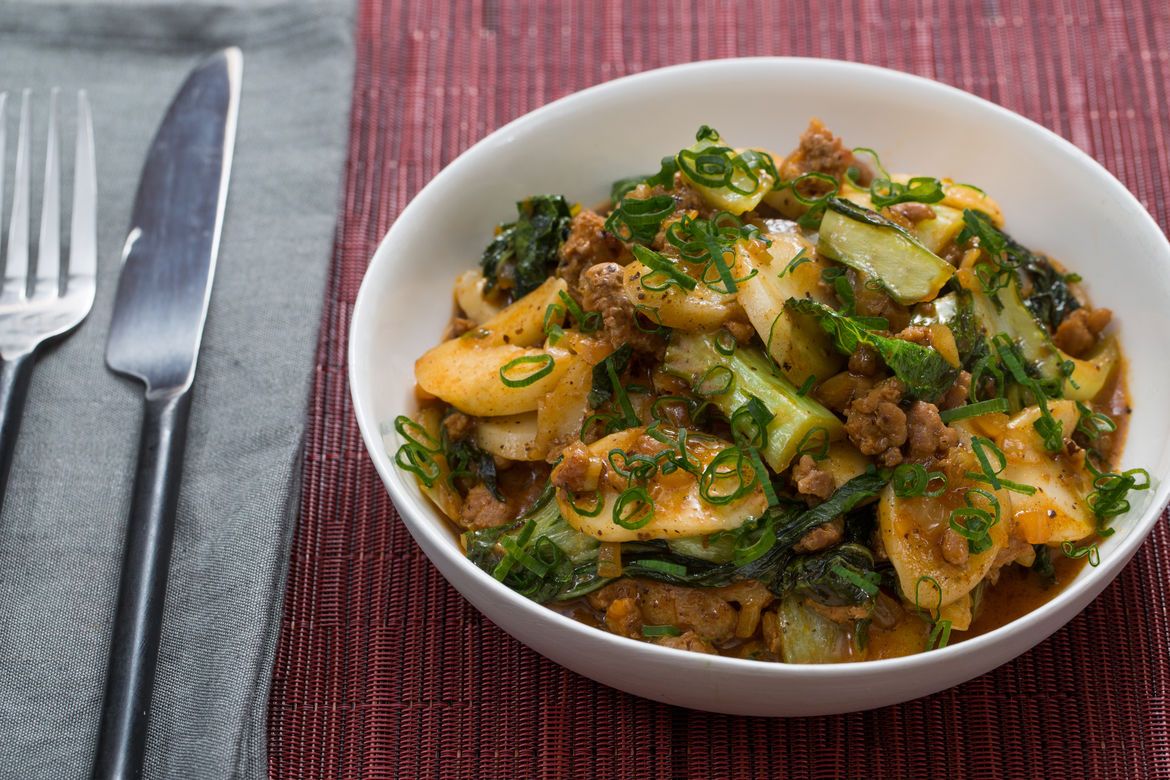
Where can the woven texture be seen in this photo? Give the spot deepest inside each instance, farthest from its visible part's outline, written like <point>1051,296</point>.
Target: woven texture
<point>384,671</point>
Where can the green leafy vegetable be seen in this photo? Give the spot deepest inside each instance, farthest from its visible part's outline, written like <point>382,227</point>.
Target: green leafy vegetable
<point>539,555</point>
<point>1050,298</point>
<point>957,311</point>
<point>867,241</point>
<point>926,374</point>
<point>730,382</point>
<point>524,252</point>
<point>841,576</point>
<point>1043,565</point>
<point>465,459</point>
<point>603,385</point>
<point>754,558</point>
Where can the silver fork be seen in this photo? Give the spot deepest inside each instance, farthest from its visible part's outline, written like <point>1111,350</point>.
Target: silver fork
<point>29,318</point>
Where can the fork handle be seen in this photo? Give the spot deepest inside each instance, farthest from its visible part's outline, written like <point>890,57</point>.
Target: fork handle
<point>14,379</point>
<point>143,587</point>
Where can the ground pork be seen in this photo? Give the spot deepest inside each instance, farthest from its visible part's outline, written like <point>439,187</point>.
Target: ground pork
<point>844,614</point>
<point>458,426</point>
<point>927,435</point>
<point>752,597</point>
<point>915,334</point>
<point>621,589</point>
<point>875,423</point>
<point>811,480</point>
<point>910,214</point>
<point>521,484</point>
<point>740,327</point>
<point>689,609</point>
<point>873,302</point>
<point>602,290</point>
<point>482,510</point>
<point>957,395</point>
<point>1079,332</point>
<point>821,152</point>
<point>886,611</point>
<point>574,467</point>
<point>955,549</point>
<point>822,537</point>
<point>686,197</point>
<point>686,641</point>
<point>587,245</point>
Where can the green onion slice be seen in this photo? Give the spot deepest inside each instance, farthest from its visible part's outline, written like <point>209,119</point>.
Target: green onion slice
<point>990,406</point>
<point>634,508</point>
<point>544,363</point>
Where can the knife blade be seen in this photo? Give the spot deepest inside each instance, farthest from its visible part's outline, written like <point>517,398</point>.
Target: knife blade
<point>159,311</point>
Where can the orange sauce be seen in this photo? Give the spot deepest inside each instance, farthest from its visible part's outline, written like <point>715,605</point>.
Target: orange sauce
<point>1017,592</point>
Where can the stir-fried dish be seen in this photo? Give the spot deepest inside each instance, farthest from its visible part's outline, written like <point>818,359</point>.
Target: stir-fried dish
<point>792,408</point>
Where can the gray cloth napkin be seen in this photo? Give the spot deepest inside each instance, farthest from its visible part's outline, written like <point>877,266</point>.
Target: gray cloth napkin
<point>62,525</point>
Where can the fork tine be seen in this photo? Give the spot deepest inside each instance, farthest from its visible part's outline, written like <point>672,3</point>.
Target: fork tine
<point>16,270</point>
<point>49,246</point>
<point>83,229</point>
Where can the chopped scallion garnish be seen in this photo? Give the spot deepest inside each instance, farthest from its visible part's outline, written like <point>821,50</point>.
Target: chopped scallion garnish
<point>990,406</point>
<point>544,363</point>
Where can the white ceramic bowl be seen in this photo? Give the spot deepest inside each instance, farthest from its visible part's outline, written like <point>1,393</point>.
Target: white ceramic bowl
<point>1056,199</point>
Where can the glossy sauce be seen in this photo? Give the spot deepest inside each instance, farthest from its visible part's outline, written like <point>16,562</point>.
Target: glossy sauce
<point>1017,591</point>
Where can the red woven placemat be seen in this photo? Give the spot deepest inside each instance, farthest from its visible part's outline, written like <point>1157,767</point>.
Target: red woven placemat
<point>384,671</point>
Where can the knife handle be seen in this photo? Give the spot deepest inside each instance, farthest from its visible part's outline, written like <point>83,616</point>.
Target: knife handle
<point>142,590</point>
<point>14,379</point>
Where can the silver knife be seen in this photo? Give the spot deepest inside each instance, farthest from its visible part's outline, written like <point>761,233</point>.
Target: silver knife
<point>168,263</point>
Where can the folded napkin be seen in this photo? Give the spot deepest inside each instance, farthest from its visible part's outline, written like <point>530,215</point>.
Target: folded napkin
<point>63,522</point>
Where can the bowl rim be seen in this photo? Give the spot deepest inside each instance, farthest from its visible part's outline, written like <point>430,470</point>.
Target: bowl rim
<point>426,521</point>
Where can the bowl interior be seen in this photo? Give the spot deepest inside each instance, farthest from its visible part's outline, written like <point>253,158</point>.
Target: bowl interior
<point>1055,198</point>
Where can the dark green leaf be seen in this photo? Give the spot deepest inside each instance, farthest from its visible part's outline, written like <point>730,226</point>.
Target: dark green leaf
<point>841,576</point>
<point>926,374</point>
<point>602,389</point>
<point>526,251</point>
<point>465,458</point>
<point>790,521</point>
<point>551,561</point>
